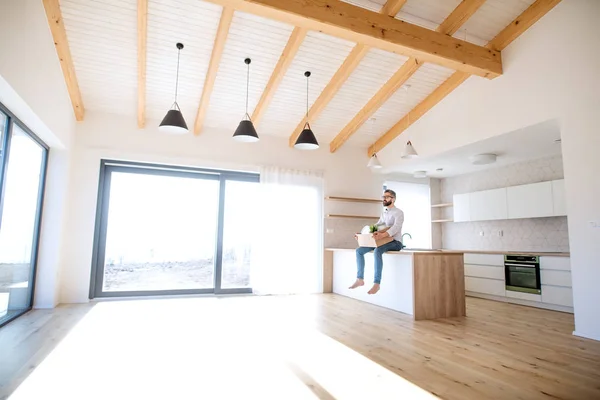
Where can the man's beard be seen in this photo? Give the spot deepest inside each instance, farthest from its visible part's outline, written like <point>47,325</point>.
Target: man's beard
<point>387,203</point>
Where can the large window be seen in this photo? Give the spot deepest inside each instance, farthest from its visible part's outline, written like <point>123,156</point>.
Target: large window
<point>172,230</point>
<point>22,171</point>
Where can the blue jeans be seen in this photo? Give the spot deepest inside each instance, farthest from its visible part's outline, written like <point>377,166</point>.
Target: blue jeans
<point>394,245</point>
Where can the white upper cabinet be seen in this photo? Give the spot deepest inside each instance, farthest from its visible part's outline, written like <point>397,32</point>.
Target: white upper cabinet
<point>461,207</point>
<point>558,195</point>
<point>489,205</point>
<point>530,201</point>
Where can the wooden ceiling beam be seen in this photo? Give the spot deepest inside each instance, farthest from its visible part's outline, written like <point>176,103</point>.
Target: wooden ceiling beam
<point>287,56</point>
<point>459,16</point>
<point>142,25</point>
<point>430,101</point>
<point>213,68</point>
<point>337,18</point>
<point>517,27</point>
<point>59,35</point>
<point>523,22</point>
<point>359,51</point>
<point>383,95</point>
<point>392,7</point>
<point>448,27</point>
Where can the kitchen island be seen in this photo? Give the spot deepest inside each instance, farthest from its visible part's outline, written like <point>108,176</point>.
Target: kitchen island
<point>424,284</point>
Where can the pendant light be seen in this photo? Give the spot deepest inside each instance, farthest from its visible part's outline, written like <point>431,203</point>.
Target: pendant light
<point>374,162</point>
<point>245,131</point>
<point>174,122</point>
<point>307,139</point>
<point>409,151</point>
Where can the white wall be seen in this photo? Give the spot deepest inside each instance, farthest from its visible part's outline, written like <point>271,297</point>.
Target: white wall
<point>33,88</point>
<point>550,72</point>
<point>117,137</point>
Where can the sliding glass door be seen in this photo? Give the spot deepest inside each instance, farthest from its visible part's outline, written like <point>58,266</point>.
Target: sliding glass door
<point>22,172</point>
<point>171,230</point>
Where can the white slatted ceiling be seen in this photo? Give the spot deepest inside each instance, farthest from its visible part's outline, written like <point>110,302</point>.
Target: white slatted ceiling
<point>320,54</point>
<point>372,73</point>
<point>427,13</point>
<point>263,41</point>
<point>193,23</point>
<point>102,37</point>
<point>492,17</point>
<point>427,78</point>
<point>372,5</point>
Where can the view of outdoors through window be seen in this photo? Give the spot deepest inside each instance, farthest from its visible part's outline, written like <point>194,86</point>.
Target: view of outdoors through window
<point>162,231</point>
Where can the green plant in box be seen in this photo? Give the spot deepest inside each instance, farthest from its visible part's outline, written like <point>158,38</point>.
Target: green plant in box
<point>373,228</point>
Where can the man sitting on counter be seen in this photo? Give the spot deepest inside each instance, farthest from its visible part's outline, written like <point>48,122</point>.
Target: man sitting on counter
<point>391,220</point>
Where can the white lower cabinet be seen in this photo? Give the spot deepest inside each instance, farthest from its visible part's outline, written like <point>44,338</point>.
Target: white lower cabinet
<point>556,278</point>
<point>484,285</point>
<point>484,271</point>
<point>559,295</point>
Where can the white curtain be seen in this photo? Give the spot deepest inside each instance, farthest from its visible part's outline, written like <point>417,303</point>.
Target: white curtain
<point>287,251</point>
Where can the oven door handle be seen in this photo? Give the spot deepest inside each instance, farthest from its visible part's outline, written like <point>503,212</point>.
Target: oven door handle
<point>520,265</point>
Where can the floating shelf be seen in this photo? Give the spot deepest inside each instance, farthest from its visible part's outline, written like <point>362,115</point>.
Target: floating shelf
<point>351,216</point>
<point>352,199</point>
<point>442,220</point>
<point>442,205</point>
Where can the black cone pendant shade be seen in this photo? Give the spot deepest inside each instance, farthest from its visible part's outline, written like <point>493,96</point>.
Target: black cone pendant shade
<point>174,122</point>
<point>245,131</point>
<point>306,140</point>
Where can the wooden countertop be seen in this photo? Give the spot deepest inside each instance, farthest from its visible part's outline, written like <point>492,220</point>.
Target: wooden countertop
<point>524,253</point>
<point>406,252</point>
<point>450,251</point>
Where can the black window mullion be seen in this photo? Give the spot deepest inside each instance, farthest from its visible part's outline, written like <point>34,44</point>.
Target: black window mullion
<point>5,155</point>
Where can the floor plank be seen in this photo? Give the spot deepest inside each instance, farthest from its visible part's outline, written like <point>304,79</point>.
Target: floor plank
<point>293,347</point>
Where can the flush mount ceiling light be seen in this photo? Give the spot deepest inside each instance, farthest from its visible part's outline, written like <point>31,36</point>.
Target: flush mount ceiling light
<point>374,162</point>
<point>245,131</point>
<point>483,159</point>
<point>420,174</point>
<point>174,122</point>
<point>409,151</point>
<point>307,139</point>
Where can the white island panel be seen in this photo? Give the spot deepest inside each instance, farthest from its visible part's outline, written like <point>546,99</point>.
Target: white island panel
<point>396,290</point>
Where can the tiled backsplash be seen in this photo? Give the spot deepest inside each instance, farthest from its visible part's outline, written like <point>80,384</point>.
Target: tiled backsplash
<point>533,234</point>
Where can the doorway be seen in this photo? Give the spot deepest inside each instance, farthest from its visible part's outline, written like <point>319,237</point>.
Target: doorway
<point>166,230</point>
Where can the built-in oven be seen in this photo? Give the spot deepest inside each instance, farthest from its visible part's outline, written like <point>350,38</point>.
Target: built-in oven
<point>522,273</point>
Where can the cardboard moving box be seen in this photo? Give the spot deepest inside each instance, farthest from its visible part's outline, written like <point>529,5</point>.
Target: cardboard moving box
<point>367,240</point>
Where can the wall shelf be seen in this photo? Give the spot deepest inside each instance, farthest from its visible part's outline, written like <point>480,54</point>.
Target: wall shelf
<point>441,205</point>
<point>351,216</point>
<point>352,199</point>
<point>441,220</point>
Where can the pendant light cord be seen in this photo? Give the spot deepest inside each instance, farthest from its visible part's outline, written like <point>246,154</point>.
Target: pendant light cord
<point>177,79</point>
<point>247,85</point>
<point>307,100</point>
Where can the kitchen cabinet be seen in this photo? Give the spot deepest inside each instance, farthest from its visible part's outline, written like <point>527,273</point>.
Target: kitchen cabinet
<point>530,201</point>
<point>559,197</point>
<point>485,286</point>
<point>562,296</point>
<point>488,205</point>
<point>555,278</point>
<point>559,263</point>
<point>461,207</point>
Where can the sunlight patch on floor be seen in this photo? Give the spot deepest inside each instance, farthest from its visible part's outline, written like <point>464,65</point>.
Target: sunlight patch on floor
<point>211,348</point>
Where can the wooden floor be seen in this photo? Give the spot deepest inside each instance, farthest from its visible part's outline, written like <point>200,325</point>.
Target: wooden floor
<point>296,347</point>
